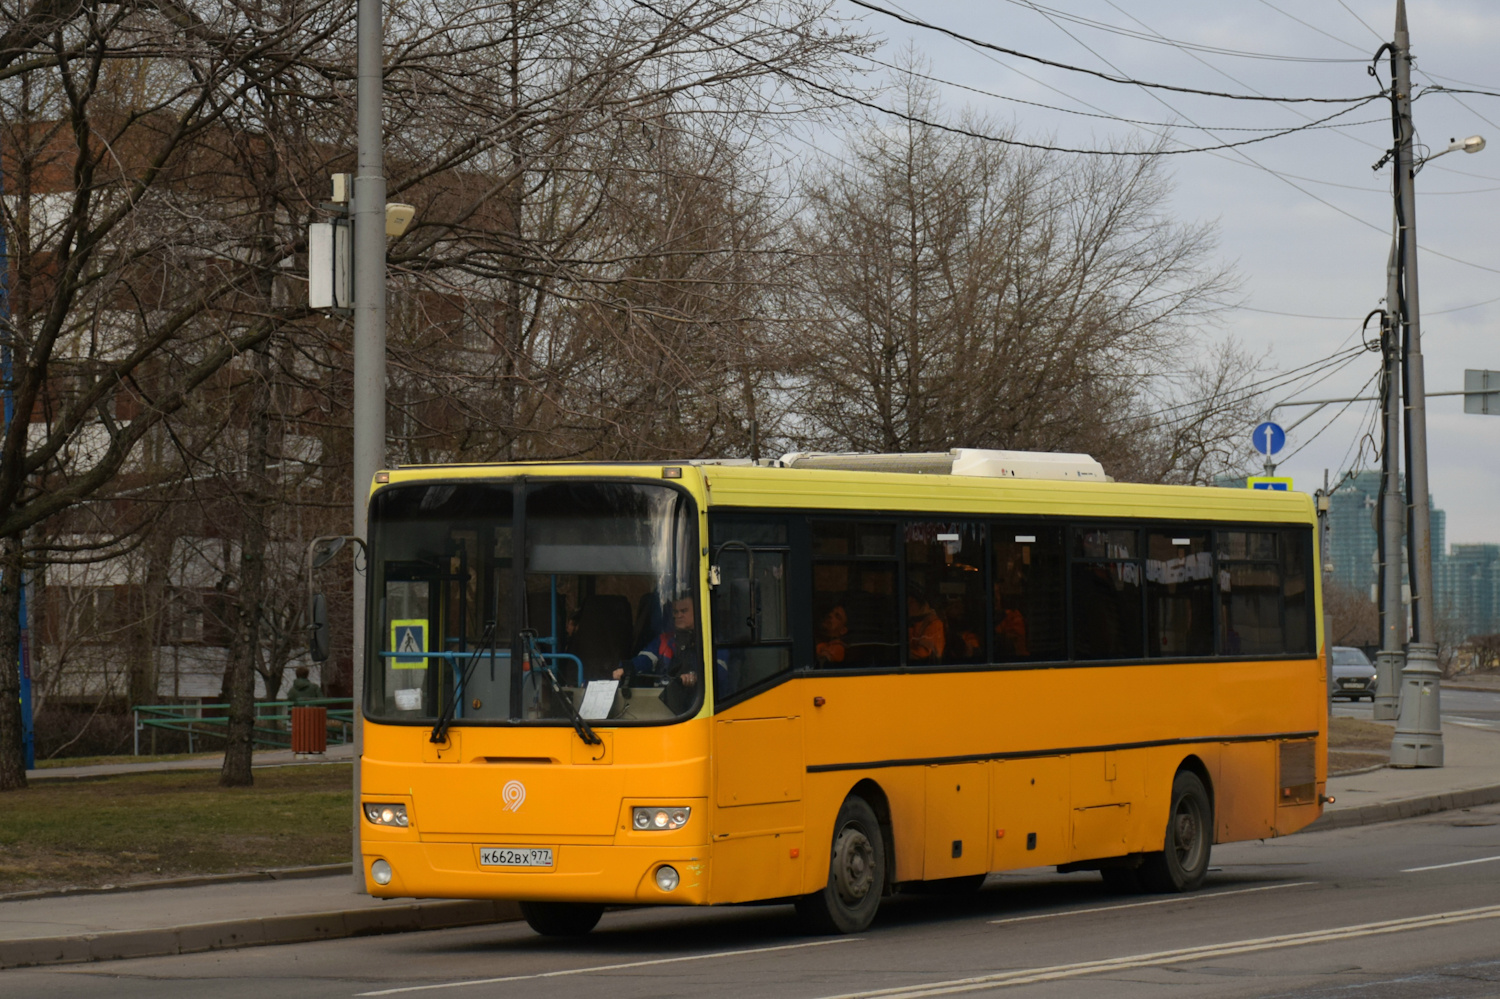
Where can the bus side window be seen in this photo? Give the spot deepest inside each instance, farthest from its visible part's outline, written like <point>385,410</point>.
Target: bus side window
<point>1250,593</point>
<point>1029,594</point>
<point>1295,589</point>
<point>855,614</point>
<point>945,617</point>
<point>1107,597</point>
<point>751,635</point>
<point>1179,593</point>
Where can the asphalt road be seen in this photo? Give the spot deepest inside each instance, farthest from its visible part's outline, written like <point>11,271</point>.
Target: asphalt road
<point>1477,708</point>
<point>1402,909</point>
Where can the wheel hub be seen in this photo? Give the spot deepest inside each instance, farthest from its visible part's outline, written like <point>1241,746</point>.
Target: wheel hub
<point>1187,834</point>
<point>853,865</point>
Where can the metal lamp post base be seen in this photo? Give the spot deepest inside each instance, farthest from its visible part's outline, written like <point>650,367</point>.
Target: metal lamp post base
<point>1419,728</point>
<point>1388,669</point>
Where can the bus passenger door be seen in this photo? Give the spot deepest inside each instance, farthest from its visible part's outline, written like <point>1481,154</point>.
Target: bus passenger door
<point>758,755</point>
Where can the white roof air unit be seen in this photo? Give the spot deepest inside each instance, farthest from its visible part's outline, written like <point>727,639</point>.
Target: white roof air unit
<point>961,461</point>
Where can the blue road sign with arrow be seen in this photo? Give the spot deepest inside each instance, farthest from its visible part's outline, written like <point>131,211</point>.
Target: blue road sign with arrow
<point>1268,438</point>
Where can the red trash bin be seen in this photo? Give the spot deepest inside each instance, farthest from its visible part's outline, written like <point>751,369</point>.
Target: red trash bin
<point>309,730</point>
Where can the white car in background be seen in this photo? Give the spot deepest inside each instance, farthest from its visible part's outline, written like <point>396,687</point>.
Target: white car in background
<point>1353,673</point>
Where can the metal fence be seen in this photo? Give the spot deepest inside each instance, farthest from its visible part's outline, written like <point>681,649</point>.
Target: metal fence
<point>273,722</point>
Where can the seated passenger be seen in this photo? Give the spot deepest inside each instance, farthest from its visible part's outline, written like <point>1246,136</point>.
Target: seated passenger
<point>1010,630</point>
<point>831,631</point>
<point>927,638</point>
<point>965,644</point>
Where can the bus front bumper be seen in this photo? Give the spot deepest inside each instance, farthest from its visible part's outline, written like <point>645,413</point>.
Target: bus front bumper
<point>579,873</point>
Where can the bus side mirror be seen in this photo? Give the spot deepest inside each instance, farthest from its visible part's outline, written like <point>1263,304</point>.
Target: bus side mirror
<point>318,629</point>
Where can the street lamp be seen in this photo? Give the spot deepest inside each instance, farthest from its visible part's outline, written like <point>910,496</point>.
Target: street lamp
<point>1472,144</point>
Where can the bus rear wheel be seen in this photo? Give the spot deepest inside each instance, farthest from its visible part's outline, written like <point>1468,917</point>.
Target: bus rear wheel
<point>561,919</point>
<point>1183,860</point>
<point>856,874</point>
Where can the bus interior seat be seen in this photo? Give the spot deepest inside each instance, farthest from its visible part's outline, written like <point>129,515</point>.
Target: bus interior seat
<point>603,636</point>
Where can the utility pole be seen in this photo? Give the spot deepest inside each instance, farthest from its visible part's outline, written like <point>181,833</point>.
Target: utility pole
<point>1391,658</point>
<point>8,378</point>
<point>1419,733</point>
<point>369,342</point>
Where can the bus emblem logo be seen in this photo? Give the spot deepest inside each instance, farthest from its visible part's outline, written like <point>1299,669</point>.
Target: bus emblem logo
<point>514,795</point>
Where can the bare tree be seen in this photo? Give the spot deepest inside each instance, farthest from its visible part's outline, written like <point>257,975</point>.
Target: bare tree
<point>132,290</point>
<point>963,292</point>
<point>1353,618</point>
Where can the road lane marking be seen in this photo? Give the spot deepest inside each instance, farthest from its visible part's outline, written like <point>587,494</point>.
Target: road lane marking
<point>1030,976</point>
<point>611,967</point>
<point>1159,901</point>
<point>1471,723</point>
<point>1456,863</point>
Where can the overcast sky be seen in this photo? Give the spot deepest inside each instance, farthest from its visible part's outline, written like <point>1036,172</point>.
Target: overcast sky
<point>1303,219</point>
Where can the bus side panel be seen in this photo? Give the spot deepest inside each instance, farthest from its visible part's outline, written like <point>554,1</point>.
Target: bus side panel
<point>958,800</point>
<point>1245,805</point>
<point>756,867</point>
<point>1029,812</point>
<point>1107,801</point>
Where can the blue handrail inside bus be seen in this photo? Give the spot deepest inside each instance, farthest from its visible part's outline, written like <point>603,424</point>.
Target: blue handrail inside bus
<point>454,657</point>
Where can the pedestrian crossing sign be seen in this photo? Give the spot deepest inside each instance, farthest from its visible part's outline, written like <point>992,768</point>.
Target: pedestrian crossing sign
<point>1271,482</point>
<point>409,636</point>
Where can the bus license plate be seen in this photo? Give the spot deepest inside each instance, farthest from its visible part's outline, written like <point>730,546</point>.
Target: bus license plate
<point>515,856</point>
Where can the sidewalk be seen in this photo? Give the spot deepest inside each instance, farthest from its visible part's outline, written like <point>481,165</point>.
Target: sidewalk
<point>1470,776</point>
<point>108,926</point>
<point>291,907</point>
<point>262,758</point>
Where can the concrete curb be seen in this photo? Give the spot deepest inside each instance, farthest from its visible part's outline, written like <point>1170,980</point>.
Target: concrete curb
<point>192,881</point>
<point>1406,808</point>
<point>262,931</point>
<point>1478,688</point>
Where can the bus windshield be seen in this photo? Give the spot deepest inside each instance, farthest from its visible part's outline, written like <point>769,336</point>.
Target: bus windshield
<point>599,615</point>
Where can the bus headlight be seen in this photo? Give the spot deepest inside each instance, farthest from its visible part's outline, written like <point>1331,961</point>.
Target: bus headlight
<point>380,872</point>
<point>666,878</point>
<point>659,817</point>
<point>386,815</point>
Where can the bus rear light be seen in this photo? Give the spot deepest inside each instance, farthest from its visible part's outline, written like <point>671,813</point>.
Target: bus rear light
<point>657,818</point>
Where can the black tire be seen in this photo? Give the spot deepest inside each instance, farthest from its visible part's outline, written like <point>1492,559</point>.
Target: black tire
<point>1122,880</point>
<point>561,919</point>
<point>856,874</point>
<point>1183,860</point>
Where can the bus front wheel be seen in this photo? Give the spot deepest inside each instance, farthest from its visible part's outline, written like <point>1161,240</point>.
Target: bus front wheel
<point>1183,860</point>
<point>856,874</point>
<point>561,919</point>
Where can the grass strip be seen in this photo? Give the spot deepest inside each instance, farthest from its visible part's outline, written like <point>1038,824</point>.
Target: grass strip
<point>138,827</point>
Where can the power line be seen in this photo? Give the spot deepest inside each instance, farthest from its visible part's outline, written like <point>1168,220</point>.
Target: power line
<point>1176,43</point>
<point>1340,359</point>
<point>1331,421</point>
<point>1345,319</point>
<point>1086,114</point>
<point>1251,160</point>
<point>986,137</point>
<point>919,23</point>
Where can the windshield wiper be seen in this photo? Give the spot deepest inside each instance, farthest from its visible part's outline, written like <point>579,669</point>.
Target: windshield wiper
<point>539,663</point>
<point>486,644</point>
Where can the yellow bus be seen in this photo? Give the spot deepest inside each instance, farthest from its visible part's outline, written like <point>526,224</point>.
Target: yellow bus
<point>827,679</point>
